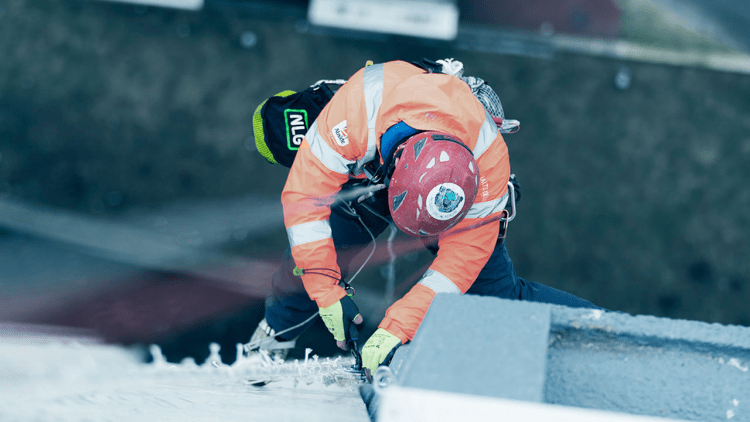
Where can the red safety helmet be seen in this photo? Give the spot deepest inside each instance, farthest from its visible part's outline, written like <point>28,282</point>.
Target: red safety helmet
<point>433,185</point>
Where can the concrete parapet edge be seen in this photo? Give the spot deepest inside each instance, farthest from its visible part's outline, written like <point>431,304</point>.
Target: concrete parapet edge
<point>652,329</point>
<point>694,370</point>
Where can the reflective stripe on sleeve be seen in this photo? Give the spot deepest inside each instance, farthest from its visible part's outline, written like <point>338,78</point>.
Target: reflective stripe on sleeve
<point>438,283</point>
<point>308,232</point>
<point>483,209</point>
<point>323,152</point>
<point>373,90</point>
<point>487,134</point>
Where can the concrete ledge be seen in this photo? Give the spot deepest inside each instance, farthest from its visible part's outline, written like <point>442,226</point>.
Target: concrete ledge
<point>610,361</point>
<point>466,346</point>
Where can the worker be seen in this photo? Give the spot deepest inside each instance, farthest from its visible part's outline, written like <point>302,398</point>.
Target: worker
<point>423,144</point>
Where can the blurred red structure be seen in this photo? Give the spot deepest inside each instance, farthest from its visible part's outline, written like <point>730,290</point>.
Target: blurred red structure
<point>154,305</point>
<point>600,18</point>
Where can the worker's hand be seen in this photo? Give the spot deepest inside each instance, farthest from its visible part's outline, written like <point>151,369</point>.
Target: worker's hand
<point>339,317</point>
<point>379,350</point>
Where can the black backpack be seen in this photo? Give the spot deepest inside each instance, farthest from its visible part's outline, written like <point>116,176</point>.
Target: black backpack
<point>281,122</point>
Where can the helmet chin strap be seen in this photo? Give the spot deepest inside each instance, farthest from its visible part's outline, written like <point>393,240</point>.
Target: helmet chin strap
<point>391,165</point>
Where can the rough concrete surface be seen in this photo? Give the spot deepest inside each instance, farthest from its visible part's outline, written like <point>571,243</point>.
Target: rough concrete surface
<point>648,366</point>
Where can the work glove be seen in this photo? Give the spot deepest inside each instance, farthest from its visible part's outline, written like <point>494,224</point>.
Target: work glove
<point>339,317</point>
<point>379,350</point>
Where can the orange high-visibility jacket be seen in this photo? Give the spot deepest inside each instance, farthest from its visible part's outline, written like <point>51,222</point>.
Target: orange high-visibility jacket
<point>346,136</point>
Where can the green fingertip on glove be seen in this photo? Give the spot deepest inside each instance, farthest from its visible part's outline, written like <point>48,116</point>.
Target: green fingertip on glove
<point>379,349</point>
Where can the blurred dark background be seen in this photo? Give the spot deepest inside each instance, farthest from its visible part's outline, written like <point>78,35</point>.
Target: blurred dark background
<point>128,127</point>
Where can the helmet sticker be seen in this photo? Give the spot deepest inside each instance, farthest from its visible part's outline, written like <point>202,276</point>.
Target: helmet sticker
<point>398,199</point>
<point>444,156</point>
<point>431,164</point>
<point>419,201</point>
<point>445,201</point>
<point>471,167</point>
<point>418,147</point>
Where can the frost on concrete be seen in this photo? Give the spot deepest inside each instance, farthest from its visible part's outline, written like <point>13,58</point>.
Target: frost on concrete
<point>736,363</point>
<point>70,380</point>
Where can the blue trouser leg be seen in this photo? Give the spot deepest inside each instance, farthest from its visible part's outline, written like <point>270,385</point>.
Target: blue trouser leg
<point>292,305</point>
<point>498,279</point>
